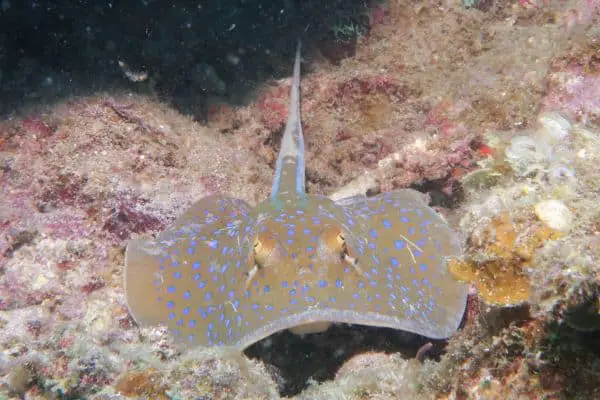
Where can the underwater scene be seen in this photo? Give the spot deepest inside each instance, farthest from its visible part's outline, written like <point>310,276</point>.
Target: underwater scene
<point>292,199</point>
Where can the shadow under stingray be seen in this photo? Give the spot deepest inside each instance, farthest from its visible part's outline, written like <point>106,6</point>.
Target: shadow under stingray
<point>294,359</point>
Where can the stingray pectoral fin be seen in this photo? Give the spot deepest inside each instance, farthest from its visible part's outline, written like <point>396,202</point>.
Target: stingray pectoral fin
<point>141,267</point>
<point>191,277</point>
<point>403,246</point>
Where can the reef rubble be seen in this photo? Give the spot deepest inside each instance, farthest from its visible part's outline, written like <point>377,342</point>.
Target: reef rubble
<point>491,111</point>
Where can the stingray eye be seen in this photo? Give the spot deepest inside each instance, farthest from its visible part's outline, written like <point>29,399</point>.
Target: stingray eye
<point>341,240</point>
<point>334,239</point>
<point>262,247</point>
<point>258,249</point>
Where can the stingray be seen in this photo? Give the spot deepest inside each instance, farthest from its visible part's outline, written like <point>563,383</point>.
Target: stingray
<point>228,274</point>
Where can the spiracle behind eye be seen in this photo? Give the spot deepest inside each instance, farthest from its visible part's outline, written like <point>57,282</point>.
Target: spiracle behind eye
<point>333,237</point>
<point>262,248</point>
<point>341,240</point>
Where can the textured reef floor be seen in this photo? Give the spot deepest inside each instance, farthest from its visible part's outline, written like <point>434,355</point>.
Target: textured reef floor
<point>493,111</point>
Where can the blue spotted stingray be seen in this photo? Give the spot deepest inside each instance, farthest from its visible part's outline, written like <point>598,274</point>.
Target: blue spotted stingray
<point>227,274</point>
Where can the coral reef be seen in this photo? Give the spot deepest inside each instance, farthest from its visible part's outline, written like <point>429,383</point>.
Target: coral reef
<point>501,253</point>
<point>492,111</point>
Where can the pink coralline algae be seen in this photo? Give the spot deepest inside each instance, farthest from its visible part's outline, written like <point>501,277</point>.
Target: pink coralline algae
<point>122,219</point>
<point>418,104</point>
<point>575,92</point>
<point>272,106</point>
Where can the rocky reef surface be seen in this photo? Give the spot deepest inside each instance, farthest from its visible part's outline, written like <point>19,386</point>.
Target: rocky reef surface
<point>491,108</point>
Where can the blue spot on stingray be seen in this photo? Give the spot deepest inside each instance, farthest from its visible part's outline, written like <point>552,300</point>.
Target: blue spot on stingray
<point>394,261</point>
<point>267,289</point>
<point>404,219</point>
<point>386,223</point>
<point>192,323</point>
<point>171,289</point>
<point>322,283</point>
<point>187,294</point>
<point>269,307</point>
<point>284,284</point>
<point>170,304</point>
<point>175,263</point>
<point>207,296</point>
<point>361,284</point>
<point>213,244</point>
<point>399,244</point>
<point>190,250</point>
<point>186,310</point>
<point>196,265</point>
<point>197,277</point>
<point>373,233</point>
<point>423,267</point>
<point>171,315</point>
<point>338,283</point>
<point>201,284</point>
<point>177,275</point>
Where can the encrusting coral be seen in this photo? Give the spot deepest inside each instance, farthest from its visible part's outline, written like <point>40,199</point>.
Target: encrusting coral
<point>500,253</point>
